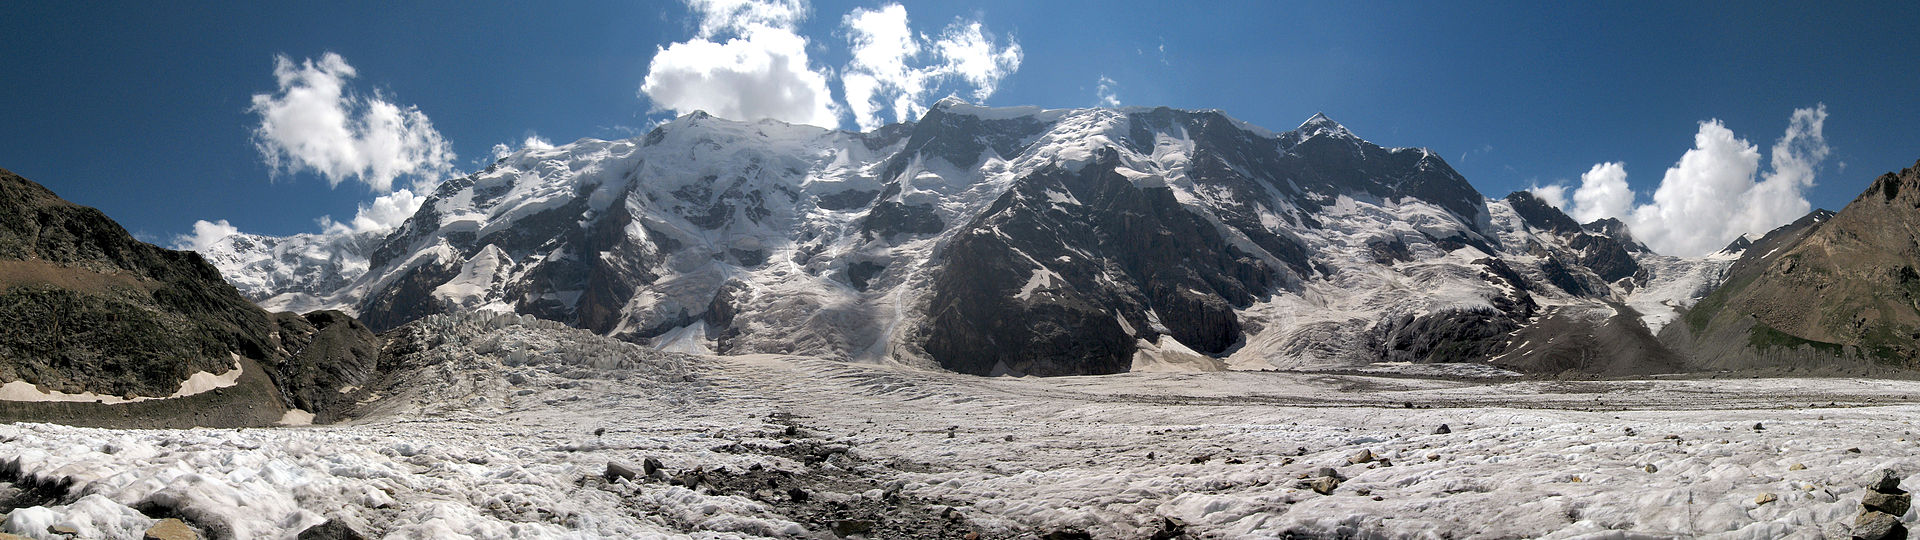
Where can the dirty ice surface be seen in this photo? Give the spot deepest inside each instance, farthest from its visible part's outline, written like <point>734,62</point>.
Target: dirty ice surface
<point>765,446</point>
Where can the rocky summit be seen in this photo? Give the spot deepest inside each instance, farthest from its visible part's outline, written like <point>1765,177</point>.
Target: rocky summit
<point>1004,241</point>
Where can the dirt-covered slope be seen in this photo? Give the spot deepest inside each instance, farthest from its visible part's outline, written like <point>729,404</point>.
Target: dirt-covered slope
<point>1830,286</point>
<point>89,309</point>
<point>97,327</point>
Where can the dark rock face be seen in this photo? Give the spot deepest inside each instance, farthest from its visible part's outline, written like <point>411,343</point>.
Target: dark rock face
<point>1604,247</point>
<point>1326,158</point>
<point>1613,228</point>
<point>1565,276</point>
<point>329,350</point>
<point>860,273</point>
<point>1389,251</point>
<point>1561,343</point>
<point>88,308</point>
<point>1449,336</point>
<point>330,530</point>
<point>1517,303</point>
<point>408,298</point>
<point>595,258</point>
<point>1738,245</point>
<point>1605,256</point>
<point>1541,215</point>
<point>612,279</point>
<point>889,218</point>
<point>1032,287</point>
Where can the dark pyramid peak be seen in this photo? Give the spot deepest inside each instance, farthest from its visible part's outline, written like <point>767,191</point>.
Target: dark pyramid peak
<point>1617,230</point>
<point>1540,215</point>
<point>1738,245</point>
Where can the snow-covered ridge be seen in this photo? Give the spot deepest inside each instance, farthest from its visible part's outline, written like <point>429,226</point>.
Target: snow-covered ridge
<point>743,237</point>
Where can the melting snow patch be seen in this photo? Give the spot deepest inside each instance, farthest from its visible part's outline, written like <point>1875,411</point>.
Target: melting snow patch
<point>199,382</point>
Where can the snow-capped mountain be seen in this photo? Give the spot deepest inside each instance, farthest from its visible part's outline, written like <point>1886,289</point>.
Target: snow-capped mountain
<point>1005,240</point>
<point>264,266</point>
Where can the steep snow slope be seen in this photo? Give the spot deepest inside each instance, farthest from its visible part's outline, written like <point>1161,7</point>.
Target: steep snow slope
<point>1010,240</point>
<point>262,267</point>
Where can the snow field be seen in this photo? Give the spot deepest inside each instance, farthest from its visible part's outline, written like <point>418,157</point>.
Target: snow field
<point>1113,456</point>
<point>500,426</point>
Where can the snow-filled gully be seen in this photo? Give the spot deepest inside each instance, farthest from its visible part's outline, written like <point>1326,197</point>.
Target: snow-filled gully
<point>766,446</point>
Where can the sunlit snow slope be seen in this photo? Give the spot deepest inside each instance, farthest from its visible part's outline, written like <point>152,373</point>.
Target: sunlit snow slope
<point>1005,240</point>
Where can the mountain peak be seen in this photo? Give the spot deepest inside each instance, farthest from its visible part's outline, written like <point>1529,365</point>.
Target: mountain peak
<point>1738,245</point>
<point>948,103</point>
<point>1320,124</point>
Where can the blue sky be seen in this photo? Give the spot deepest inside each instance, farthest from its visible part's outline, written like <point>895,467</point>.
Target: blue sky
<point>143,110</point>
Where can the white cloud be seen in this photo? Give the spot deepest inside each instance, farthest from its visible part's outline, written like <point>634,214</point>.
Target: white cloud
<point>1795,157</point>
<point>385,213</point>
<point>313,122</point>
<point>893,65</point>
<point>882,44</point>
<point>1105,95</point>
<point>736,16</point>
<point>1715,193</point>
<point>1603,193</point>
<point>204,234</point>
<point>1555,195</point>
<point>760,70</point>
<point>972,54</point>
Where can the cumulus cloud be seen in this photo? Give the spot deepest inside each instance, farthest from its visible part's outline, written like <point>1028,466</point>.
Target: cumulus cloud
<point>745,62</point>
<point>385,213</point>
<point>204,234</point>
<point>897,68</point>
<point>1555,195</point>
<point>1603,193</point>
<point>314,122</point>
<point>1715,193</point>
<point>1105,95</point>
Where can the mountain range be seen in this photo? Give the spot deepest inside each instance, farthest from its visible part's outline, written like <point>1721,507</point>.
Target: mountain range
<point>1012,241</point>
<point>987,241</point>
